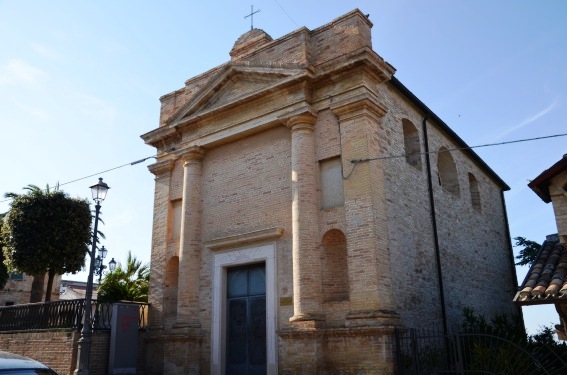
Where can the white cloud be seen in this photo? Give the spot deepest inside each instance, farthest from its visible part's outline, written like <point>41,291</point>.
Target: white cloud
<point>529,120</point>
<point>18,71</point>
<point>45,52</point>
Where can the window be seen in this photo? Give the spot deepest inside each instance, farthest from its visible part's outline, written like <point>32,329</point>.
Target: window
<point>412,148</point>
<point>448,177</point>
<point>16,276</point>
<point>475,193</point>
<point>332,194</point>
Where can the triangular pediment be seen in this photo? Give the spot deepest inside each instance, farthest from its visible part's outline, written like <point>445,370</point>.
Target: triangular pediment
<point>235,84</point>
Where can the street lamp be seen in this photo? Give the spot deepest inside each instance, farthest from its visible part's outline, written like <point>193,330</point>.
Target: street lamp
<point>99,191</point>
<point>100,267</point>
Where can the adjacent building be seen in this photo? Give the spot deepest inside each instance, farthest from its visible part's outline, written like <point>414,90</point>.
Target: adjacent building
<point>18,289</point>
<point>546,281</point>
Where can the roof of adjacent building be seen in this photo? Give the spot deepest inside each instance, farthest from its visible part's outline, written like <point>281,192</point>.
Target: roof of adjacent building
<point>540,185</point>
<point>546,281</point>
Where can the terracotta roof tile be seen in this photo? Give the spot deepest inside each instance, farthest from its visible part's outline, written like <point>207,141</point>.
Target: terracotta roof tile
<point>546,281</point>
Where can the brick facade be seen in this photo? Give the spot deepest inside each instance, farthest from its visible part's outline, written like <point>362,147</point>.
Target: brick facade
<point>237,181</point>
<point>58,349</point>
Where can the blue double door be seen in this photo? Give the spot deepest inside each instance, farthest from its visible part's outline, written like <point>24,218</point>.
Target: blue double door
<point>246,320</point>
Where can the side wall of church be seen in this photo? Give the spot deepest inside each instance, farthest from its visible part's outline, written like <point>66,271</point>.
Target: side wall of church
<point>414,271</point>
<point>468,271</point>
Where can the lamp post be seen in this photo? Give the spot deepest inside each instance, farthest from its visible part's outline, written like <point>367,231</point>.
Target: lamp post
<point>99,191</point>
<point>100,267</point>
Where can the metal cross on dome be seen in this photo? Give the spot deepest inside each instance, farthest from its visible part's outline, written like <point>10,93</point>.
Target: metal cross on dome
<point>251,15</point>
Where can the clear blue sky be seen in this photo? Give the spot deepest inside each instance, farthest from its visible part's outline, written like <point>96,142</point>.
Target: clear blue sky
<point>80,81</point>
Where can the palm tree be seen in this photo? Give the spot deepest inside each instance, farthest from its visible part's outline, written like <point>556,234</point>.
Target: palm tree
<point>126,283</point>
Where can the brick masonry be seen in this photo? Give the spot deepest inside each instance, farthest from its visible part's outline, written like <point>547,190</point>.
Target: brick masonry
<point>58,349</point>
<point>263,122</point>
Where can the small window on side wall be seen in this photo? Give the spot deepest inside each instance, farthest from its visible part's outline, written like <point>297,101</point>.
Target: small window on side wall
<point>332,194</point>
<point>412,148</point>
<point>475,192</point>
<point>447,169</point>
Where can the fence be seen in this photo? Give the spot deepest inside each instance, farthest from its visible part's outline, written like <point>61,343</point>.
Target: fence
<point>429,352</point>
<point>66,314</point>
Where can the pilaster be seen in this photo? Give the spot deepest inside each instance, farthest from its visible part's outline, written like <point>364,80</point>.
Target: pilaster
<point>190,240</point>
<point>371,294</point>
<point>162,173</point>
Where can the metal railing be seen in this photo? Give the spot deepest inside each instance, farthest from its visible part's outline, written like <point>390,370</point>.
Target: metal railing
<point>429,352</point>
<point>66,314</point>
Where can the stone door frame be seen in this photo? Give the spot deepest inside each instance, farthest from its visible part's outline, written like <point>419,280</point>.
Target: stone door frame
<point>237,257</point>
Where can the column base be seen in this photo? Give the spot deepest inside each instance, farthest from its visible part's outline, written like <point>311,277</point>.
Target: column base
<point>372,318</point>
<point>308,321</point>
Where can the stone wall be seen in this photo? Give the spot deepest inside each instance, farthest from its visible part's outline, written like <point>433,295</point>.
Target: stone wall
<point>18,289</point>
<point>558,193</point>
<point>474,248</point>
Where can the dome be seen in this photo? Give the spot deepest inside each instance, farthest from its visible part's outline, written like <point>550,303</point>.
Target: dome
<point>249,42</point>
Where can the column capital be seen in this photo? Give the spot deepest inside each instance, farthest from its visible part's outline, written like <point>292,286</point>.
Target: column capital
<point>302,121</point>
<point>192,154</point>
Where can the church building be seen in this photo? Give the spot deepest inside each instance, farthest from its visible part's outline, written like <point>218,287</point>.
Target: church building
<point>307,204</point>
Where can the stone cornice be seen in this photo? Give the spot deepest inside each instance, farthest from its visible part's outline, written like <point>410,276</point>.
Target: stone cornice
<point>240,240</point>
<point>160,136</point>
<point>285,74</point>
<point>161,167</point>
<point>362,57</point>
<point>365,104</point>
<point>240,101</point>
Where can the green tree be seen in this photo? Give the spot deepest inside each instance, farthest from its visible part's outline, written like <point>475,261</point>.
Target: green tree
<point>529,252</point>
<point>4,274</point>
<point>542,346</point>
<point>128,283</point>
<point>46,232</point>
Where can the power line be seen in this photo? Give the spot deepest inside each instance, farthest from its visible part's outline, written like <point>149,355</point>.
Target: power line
<point>356,161</point>
<point>283,10</point>
<point>98,173</point>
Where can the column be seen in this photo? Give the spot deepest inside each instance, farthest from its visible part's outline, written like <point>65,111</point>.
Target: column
<point>190,241</point>
<point>305,227</point>
<point>366,214</point>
